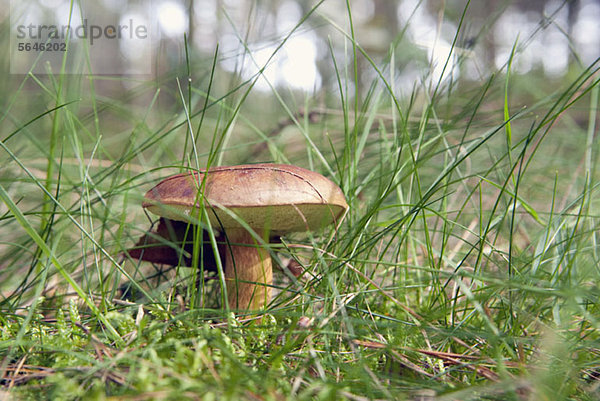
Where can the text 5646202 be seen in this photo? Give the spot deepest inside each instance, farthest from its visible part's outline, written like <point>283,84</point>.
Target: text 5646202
<point>41,47</point>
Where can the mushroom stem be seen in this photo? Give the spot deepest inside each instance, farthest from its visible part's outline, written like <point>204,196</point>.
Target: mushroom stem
<point>248,272</point>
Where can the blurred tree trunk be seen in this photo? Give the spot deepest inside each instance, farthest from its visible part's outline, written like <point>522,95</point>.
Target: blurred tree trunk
<point>190,29</point>
<point>386,11</point>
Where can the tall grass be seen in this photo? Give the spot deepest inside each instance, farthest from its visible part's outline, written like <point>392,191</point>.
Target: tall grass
<point>466,268</point>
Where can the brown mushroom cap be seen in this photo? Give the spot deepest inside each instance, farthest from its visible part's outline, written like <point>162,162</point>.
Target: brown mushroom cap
<point>275,197</point>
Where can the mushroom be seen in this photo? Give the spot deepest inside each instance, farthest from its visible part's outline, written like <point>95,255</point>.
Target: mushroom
<point>172,244</point>
<point>270,199</point>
